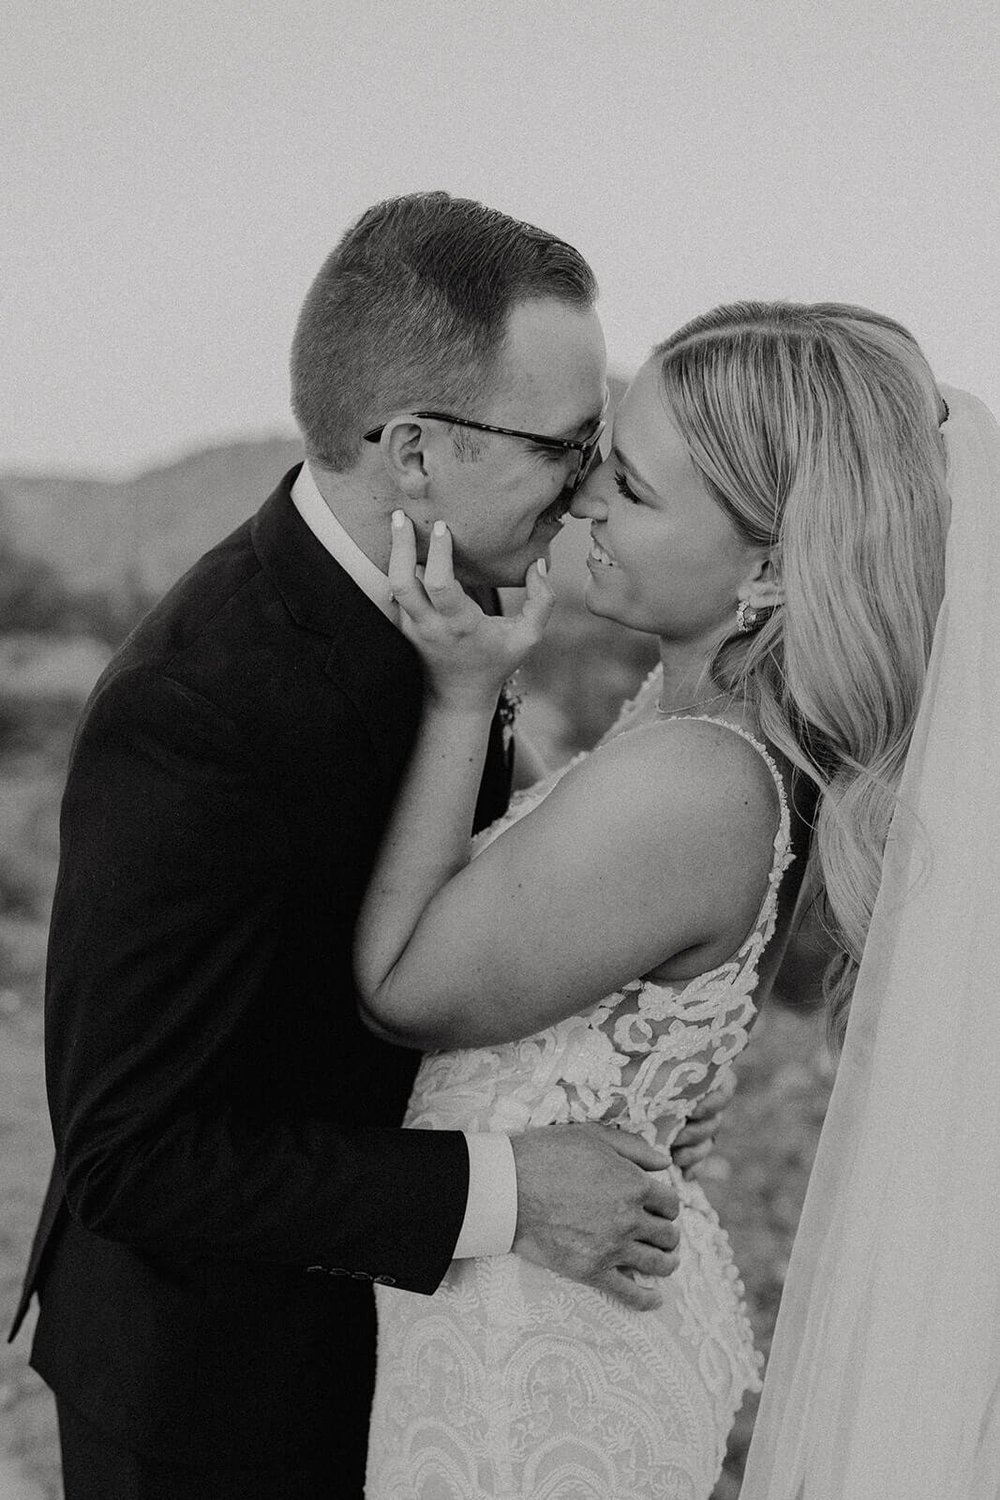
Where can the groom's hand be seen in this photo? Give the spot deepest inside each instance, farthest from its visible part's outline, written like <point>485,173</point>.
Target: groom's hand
<point>589,1208</point>
<point>697,1140</point>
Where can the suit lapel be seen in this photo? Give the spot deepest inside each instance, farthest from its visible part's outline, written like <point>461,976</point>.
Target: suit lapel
<point>369,659</point>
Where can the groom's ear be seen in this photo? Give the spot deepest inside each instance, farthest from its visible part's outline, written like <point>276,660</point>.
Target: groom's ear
<point>404,446</point>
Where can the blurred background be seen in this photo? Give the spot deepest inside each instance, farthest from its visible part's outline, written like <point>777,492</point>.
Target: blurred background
<point>174,177</point>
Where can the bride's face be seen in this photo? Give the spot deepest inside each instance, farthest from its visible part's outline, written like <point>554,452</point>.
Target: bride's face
<point>664,556</point>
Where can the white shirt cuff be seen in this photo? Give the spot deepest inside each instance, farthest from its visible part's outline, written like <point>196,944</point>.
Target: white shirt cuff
<point>491,1208</point>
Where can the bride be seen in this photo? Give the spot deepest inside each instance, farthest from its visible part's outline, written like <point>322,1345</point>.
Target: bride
<point>774,508</point>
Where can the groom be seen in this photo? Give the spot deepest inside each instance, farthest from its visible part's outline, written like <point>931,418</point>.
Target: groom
<point>230,1176</point>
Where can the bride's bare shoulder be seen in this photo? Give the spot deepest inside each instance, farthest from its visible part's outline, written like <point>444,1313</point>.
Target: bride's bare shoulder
<point>691,764</point>
<point>684,793</point>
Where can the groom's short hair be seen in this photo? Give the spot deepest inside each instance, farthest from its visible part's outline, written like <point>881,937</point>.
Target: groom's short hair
<point>411,309</point>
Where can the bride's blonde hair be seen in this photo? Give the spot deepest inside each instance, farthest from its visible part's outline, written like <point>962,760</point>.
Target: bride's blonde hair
<point>816,428</point>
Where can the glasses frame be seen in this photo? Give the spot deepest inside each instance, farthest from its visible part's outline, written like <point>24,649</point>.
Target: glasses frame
<point>587,447</point>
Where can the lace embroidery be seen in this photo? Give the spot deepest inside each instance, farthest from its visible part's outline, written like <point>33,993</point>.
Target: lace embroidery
<point>512,1382</point>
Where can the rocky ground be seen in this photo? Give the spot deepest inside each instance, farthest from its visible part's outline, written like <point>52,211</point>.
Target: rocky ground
<point>29,792</point>
<point>756,1180</point>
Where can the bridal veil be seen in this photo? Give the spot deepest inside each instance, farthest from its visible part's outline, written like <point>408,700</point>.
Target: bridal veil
<point>884,1376</point>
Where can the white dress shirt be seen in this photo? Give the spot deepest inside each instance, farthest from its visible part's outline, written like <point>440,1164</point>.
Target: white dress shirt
<point>491,1207</point>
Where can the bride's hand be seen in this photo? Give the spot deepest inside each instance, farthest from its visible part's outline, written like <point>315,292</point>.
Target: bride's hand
<point>468,654</point>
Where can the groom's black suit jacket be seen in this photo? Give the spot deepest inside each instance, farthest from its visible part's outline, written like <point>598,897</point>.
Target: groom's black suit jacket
<point>228,1179</point>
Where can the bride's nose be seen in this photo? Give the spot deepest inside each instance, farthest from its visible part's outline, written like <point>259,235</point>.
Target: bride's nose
<point>587,504</point>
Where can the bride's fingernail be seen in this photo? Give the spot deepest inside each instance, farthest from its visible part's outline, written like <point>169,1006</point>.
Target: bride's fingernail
<point>543,567</point>
<point>398,519</point>
<point>439,528</point>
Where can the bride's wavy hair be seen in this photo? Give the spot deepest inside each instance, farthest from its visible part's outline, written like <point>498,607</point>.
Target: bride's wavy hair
<point>816,428</point>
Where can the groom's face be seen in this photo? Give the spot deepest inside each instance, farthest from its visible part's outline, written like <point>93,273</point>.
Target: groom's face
<point>505,506</point>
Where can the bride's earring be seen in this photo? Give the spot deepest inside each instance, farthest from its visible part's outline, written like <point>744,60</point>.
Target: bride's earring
<point>746,617</point>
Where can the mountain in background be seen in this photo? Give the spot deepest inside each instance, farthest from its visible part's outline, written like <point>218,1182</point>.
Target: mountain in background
<point>145,531</point>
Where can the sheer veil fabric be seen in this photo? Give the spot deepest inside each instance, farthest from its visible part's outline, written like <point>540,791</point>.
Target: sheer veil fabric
<point>884,1376</point>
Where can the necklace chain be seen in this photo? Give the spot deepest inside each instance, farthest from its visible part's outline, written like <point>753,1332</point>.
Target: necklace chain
<point>670,712</point>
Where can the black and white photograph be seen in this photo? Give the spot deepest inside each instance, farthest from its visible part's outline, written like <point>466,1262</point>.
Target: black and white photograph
<point>500,751</point>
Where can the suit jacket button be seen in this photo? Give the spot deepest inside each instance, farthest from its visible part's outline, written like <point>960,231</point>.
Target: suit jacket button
<point>361,1276</point>
<point>384,1280</point>
<point>311,1270</point>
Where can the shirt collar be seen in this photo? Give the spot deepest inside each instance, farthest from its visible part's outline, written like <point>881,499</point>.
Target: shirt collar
<point>327,530</point>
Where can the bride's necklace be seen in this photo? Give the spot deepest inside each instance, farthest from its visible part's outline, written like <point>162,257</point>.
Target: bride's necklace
<point>669,713</point>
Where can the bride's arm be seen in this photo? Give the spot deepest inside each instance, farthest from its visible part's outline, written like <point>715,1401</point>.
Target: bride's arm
<point>427,840</point>
<point>659,843</point>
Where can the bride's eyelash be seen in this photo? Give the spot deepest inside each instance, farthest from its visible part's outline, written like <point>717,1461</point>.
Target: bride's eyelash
<point>624,488</point>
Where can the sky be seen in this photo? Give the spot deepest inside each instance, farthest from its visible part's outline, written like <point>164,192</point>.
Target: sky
<point>174,174</point>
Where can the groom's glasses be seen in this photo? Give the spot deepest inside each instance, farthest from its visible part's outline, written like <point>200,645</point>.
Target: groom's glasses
<point>584,448</point>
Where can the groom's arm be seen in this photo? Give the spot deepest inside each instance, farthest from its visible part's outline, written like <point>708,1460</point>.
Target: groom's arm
<point>167,913</point>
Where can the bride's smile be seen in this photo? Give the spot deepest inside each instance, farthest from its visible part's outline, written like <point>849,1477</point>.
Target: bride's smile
<point>664,556</point>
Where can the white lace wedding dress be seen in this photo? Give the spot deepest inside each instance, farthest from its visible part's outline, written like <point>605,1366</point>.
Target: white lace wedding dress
<point>513,1383</point>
